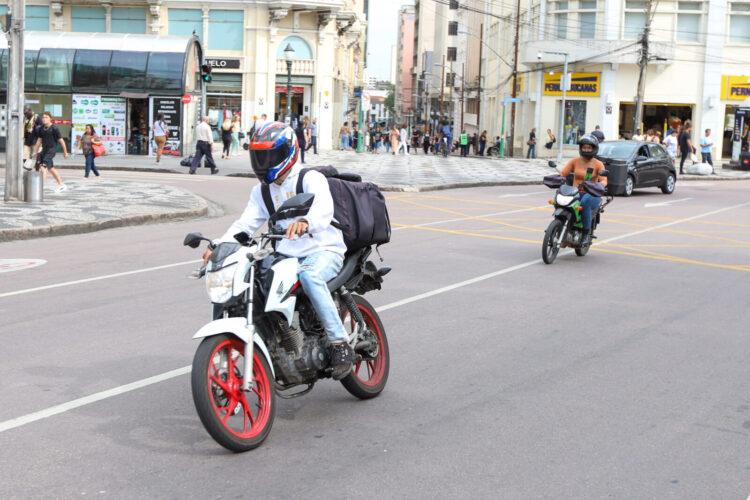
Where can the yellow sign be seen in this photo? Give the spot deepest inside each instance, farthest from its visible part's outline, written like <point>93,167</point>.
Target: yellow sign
<point>582,84</point>
<point>519,84</point>
<point>735,88</point>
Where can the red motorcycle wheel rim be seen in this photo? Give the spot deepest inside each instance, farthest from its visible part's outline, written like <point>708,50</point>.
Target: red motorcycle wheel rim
<point>227,398</point>
<point>370,372</point>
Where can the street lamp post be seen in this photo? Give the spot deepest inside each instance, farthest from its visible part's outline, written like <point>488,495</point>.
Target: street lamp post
<point>289,57</point>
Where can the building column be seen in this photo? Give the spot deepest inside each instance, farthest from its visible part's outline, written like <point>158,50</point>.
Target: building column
<point>108,16</point>
<point>323,89</point>
<point>710,111</point>
<point>57,12</point>
<point>205,30</point>
<point>607,96</point>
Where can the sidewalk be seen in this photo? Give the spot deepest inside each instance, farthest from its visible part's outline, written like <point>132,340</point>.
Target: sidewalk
<point>98,204</point>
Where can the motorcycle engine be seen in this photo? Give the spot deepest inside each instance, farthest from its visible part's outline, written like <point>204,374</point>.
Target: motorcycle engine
<point>303,367</point>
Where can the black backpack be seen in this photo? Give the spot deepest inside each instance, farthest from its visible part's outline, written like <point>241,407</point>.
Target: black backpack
<point>359,209</point>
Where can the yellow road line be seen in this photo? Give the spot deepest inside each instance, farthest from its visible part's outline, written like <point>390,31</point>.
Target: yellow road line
<point>466,233</point>
<point>467,216</point>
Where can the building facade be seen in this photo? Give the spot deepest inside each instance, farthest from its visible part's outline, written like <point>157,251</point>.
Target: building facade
<point>697,70</point>
<point>244,43</point>
<point>404,60</point>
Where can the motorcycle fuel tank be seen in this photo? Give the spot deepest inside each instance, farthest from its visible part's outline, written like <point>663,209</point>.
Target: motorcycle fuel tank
<point>284,280</point>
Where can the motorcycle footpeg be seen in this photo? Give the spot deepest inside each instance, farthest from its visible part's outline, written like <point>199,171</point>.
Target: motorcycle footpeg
<point>357,358</point>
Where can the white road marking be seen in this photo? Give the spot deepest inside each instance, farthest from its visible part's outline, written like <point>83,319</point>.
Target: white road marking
<point>665,203</point>
<point>76,403</point>
<point>494,214</point>
<point>8,265</point>
<point>96,278</point>
<point>520,194</point>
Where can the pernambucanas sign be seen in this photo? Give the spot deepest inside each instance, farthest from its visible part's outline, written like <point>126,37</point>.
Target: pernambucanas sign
<point>581,85</point>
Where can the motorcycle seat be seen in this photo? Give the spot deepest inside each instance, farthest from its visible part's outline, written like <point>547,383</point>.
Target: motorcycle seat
<point>350,264</point>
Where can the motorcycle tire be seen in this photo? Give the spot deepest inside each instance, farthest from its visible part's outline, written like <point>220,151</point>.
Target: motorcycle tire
<point>581,251</point>
<point>224,409</point>
<point>368,377</point>
<point>549,251</point>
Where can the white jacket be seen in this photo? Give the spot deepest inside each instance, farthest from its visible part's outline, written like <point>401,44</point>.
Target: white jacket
<point>321,235</point>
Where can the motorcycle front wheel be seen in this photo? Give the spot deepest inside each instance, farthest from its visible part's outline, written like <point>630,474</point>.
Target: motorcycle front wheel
<point>237,420</point>
<point>369,376</point>
<point>549,250</point>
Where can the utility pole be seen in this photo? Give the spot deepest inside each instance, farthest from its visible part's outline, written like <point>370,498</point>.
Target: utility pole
<point>462,96</point>
<point>642,63</point>
<point>479,82</point>
<point>515,83</point>
<point>14,142</point>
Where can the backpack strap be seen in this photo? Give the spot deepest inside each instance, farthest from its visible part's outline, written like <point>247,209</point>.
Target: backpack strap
<point>266,192</point>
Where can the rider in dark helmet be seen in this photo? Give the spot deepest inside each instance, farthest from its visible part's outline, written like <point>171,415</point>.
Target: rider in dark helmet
<point>318,246</point>
<point>586,167</point>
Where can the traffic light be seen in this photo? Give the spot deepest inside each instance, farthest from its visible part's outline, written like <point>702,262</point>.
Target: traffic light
<point>206,73</point>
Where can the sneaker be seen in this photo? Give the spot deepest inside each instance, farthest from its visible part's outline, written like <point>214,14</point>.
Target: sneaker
<point>215,171</point>
<point>61,188</point>
<point>341,360</point>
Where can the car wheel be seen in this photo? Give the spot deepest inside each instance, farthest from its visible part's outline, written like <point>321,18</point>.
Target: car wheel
<point>629,185</point>
<point>668,186</point>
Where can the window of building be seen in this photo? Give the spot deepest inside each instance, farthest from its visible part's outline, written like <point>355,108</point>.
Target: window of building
<point>3,68</point>
<point>575,121</point>
<point>88,19</point>
<point>635,19</point>
<point>689,21</point>
<point>185,22</point>
<point>128,70</point>
<point>225,29</point>
<point>300,46</point>
<point>453,28</point>
<point>588,24</point>
<point>53,69</point>
<point>37,18</point>
<point>128,20</point>
<point>451,54</point>
<point>29,68</point>
<point>561,20</point>
<point>91,69</point>
<point>162,74</point>
<point>739,22</point>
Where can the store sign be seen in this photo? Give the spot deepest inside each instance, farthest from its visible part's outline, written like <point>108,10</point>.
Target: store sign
<point>172,109</point>
<point>519,84</point>
<point>223,63</point>
<point>735,88</point>
<point>581,85</point>
<point>106,114</point>
<point>295,90</point>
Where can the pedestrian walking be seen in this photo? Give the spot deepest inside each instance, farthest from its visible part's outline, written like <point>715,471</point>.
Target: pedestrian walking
<point>403,137</point>
<point>301,132</point>
<point>650,136</point>
<point>531,153</point>
<point>551,139</point>
<point>313,136</point>
<point>671,143</point>
<point>226,137</point>
<point>393,138</point>
<point>598,134</point>
<point>657,137</point>
<point>482,142</point>
<point>473,143</point>
<point>706,144</point>
<point>236,134</point>
<point>686,146</point>
<point>48,136</point>
<point>463,141</point>
<point>161,132</point>
<point>31,123</point>
<point>86,145</point>
<point>637,135</point>
<point>344,136</point>
<point>426,143</point>
<point>204,146</point>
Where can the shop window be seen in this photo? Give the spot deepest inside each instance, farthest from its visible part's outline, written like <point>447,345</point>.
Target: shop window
<point>29,69</point>
<point>128,20</point>
<point>162,71</point>
<point>185,22</point>
<point>225,29</point>
<point>37,18</point>
<point>739,23</point>
<point>90,69</point>
<point>128,70</point>
<point>53,69</point>
<point>575,121</point>
<point>88,19</point>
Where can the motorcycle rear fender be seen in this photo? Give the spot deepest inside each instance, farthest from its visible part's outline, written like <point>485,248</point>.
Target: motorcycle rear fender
<point>238,328</point>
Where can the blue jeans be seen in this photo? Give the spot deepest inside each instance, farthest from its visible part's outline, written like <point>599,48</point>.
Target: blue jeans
<point>531,153</point>
<point>706,157</point>
<point>315,271</point>
<point>345,141</point>
<point>589,203</point>
<point>90,165</point>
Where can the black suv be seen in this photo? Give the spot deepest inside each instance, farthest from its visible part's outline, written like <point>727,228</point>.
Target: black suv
<point>634,164</point>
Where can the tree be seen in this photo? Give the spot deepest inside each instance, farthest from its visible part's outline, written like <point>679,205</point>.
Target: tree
<point>390,101</point>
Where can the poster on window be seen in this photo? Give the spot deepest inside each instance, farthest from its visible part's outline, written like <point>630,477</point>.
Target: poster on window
<point>171,108</point>
<point>575,121</point>
<point>105,114</point>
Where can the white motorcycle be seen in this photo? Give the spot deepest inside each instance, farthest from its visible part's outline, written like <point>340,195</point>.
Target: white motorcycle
<point>266,339</point>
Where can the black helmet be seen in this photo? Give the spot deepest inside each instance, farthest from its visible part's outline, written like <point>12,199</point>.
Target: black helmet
<point>273,151</point>
<point>590,140</point>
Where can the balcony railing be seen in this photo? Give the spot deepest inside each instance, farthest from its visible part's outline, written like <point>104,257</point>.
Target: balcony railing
<point>299,67</point>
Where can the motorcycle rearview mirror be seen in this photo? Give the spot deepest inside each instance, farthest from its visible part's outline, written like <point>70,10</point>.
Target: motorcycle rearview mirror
<point>569,179</point>
<point>196,274</point>
<point>603,173</point>
<point>295,206</point>
<point>192,240</point>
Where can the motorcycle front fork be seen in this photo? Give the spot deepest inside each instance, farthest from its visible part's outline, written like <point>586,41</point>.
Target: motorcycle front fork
<point>247,381</point>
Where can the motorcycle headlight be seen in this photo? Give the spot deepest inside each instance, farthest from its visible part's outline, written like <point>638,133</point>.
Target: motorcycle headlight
<point>219,284</point>
<point>563,200</point>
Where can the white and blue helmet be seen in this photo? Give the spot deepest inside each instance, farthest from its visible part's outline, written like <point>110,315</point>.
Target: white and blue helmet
<point>273,151</point>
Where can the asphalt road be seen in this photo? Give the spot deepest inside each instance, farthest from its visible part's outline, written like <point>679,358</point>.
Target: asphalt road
<point>621,374</point>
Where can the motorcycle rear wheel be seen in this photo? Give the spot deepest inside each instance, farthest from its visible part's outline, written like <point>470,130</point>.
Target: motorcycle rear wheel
<point>237,420</point>
<point>549,250</point>
<point>368,377</point>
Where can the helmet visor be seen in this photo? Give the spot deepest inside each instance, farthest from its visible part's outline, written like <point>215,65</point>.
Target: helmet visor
<point>263,160</point>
